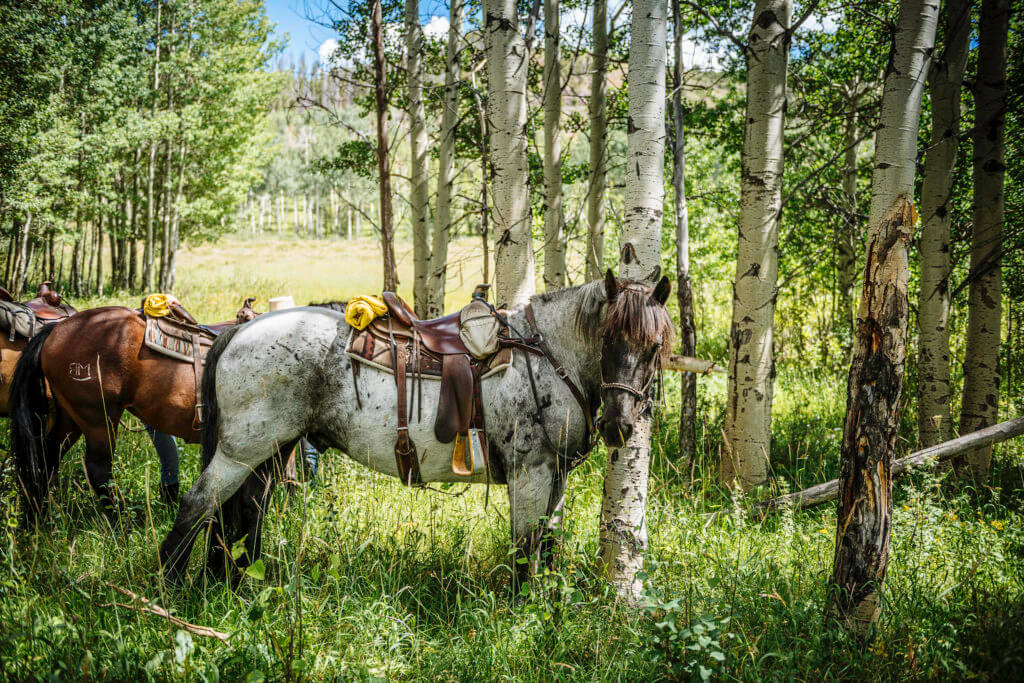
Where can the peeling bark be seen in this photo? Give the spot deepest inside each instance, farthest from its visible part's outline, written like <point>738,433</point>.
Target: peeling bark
<point>981,358</point>
<point>872,419</point>
<point>748,418</point>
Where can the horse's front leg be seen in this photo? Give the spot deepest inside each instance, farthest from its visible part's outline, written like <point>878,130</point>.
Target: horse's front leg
<point>536,498</point>
<point>218,482</point>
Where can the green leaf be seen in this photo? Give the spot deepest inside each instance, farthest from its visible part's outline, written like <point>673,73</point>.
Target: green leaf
<point>256,570</point>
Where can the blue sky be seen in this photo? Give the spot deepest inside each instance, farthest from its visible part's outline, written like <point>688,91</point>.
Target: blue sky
<point>304,36</point>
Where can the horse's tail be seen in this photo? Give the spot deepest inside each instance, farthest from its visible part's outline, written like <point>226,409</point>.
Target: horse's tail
<point>29,412</point>
<point>209,394</point>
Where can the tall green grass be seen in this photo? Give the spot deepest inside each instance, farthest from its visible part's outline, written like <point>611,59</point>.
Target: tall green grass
<point>365,578</point>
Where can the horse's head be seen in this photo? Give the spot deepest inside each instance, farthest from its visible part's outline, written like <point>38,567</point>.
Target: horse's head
<point>636,336</point>
<point>246,312</point>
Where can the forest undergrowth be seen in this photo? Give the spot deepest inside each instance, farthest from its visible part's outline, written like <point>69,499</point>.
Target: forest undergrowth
<point>364,578</point>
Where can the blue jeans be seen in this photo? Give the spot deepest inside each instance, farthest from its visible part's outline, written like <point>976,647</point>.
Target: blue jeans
<point>311,457</point>
<point>167,450</point>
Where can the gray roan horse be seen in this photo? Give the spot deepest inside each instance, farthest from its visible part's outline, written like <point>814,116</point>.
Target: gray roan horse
<point>609,336</point>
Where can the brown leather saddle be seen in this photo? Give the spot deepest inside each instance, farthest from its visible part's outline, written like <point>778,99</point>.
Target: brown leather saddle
<point>25,319</point>
<point>406,346</point>
<point>181,337</point>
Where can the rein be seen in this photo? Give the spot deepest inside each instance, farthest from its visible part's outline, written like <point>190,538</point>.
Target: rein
<point>536,344</point>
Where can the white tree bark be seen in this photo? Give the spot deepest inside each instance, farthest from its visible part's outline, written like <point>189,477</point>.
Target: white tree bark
<point>506,104</point>
<point>981,359</point>
<point>944,80</point>
<point>748,421</point>
<point>598,144</point>
<point>623,528</point>
<point>418,178</point>
<point>554,239</point>
<point>446,162</point>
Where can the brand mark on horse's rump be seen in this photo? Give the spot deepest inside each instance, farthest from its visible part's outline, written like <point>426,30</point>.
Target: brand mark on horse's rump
<point>80,372</point>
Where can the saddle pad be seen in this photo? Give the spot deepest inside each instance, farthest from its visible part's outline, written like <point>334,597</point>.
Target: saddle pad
<point>168,339</point>
<point>370,350</point>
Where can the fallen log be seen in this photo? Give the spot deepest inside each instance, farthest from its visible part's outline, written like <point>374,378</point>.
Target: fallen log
<point>690,364</point>
<point>822,493</point>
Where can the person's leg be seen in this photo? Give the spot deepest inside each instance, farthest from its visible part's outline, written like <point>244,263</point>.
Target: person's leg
<point>311,458</point>
<point>167,450</point>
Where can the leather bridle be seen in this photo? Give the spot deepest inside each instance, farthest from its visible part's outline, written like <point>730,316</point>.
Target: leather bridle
<point>644,398</point>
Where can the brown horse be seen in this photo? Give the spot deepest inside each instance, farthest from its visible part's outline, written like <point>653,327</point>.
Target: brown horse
<point>96,366</point>
<point>18,322</point>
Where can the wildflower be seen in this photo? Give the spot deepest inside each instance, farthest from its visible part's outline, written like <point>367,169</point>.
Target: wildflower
<point>997,525</point>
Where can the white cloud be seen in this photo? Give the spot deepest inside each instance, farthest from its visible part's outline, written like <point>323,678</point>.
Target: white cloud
<point>436,28</point>
<point>828,23</point>
<point>326,50</point>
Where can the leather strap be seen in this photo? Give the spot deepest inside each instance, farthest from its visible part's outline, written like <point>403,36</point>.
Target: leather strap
<point>197,369</point>
<point>405,451</point>
<point>538,341</point>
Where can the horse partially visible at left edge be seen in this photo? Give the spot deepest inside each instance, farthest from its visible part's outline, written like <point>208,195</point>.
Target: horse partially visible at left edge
<point>96,365</point>
<point>605,340</point>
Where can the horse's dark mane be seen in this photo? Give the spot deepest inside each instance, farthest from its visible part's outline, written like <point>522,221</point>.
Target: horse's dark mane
<point>333,305</point>
<point>633,314</point>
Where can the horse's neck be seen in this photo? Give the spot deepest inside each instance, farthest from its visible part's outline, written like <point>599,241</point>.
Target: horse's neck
<point>578,354</point>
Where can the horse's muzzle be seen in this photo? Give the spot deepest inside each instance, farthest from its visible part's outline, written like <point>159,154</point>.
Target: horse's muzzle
<point>615,433</point>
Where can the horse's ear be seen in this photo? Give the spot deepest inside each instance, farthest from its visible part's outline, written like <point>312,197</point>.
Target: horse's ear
<point>661,291</point>
<point>655,274</point>
<point>611,288</point>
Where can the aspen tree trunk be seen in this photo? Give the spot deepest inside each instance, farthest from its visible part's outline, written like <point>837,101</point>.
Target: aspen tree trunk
<point>485,154</point>
<point>295,214</point>
<point>99,249</point>
<point>22,229</point>
<point>554,239</point>
<point>446,162</point>
<point>944,81</point>
<point>598,143</point>
<point>684,293</point>
<point>418,176</point>
<point>387,230</point>
<point>148,248</point>
<point>864,518</point>
<point>506,108</point>
<point>748,419</point>
<point>981,358</point>
<point>846,242</point>
<point>623,527</point>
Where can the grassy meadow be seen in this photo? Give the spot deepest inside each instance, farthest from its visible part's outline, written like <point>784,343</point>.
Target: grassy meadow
<point>365,578</point>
